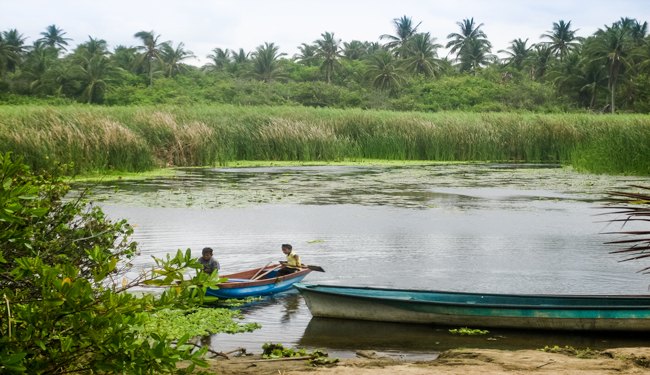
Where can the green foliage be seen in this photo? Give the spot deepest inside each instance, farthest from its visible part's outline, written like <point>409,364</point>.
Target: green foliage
<point>621,148</point>
<point>607,69</point>
<point>66,303</point>
<point>275,351</point>
<point>196,322</point>
<point>480,94</point>
<point>271,351</point>
<point>464,331</point>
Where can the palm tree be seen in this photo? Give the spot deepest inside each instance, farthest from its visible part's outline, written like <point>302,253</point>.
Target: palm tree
<point>422,55</point>
<point>638,31</point>
<point>354,50</point>
<point>151,49</point>
<point>328,53</point>
<point>240,57</point>
<point>37,61</point>
<point>171,58</point>
<point>15,43</point>
<point>126,58</point>
<point>576,75</point>
<point>612,47</point>
<point>563,39</point>
<point>404,30</point>
<point>518,53</point>
<point>372,47</point>
<point>219,60</point>
<point>93,47</point>
<point>307,54</point>
<point>240,61</point>
<point>541,58</point>
<point>594,79</point>
<point>8,57</point>
<point>471,46</point>
<point>54,37</point>
<point>384,72</point>
<point>265,62</point>
<point>95,74</point>
<point>474,57</point>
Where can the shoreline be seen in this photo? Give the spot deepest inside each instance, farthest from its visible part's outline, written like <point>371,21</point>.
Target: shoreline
<point>465,361</point>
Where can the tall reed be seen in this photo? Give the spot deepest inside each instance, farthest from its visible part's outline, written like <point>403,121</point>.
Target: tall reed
<point>140,138</point>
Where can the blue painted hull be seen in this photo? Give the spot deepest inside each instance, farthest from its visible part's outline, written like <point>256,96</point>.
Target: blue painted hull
<point>563,312</point>
<point>242,285</point>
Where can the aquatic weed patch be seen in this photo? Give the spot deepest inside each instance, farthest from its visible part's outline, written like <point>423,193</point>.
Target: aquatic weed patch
<point>277,351</point>
<point>197,322</point>
<point>464,331</point>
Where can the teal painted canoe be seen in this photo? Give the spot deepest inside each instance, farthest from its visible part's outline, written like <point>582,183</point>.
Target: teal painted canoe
<point>522,311</point>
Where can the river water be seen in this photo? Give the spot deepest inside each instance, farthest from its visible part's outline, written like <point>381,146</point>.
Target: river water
<point>494,228</point>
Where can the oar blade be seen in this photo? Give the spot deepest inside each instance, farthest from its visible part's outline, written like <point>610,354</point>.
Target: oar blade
<point>316,268</point>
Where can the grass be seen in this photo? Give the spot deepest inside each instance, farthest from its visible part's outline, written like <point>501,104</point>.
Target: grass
<point>93,176</point>
<point>136,139</point>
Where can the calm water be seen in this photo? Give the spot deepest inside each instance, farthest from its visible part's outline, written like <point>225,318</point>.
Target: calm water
<point>478,227</point>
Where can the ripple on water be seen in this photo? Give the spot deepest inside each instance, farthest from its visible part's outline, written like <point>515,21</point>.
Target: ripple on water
<point>478,227</point>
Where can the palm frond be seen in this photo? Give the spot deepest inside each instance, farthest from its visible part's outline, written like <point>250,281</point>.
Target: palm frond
<point>634,207</point>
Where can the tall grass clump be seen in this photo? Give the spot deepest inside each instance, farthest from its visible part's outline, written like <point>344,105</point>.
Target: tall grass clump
<point>45,137</point>
<point>173,142</point>
<point>282,139</point>
<point>139,138</point>
<point>616,148</point>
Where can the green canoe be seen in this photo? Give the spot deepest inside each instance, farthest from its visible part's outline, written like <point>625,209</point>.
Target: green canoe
<point>525,311</point>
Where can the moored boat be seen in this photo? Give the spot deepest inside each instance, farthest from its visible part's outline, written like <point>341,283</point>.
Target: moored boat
<point>257,282</point>
<point>523,311</point>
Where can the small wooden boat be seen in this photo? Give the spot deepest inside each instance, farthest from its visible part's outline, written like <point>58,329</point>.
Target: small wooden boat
<point>257,282</point>
<point>521,311</point>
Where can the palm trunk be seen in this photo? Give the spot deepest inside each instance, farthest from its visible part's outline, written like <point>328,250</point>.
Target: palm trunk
<point>613,76</point>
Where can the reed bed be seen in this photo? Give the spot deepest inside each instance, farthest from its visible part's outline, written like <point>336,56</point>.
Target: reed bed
<point>141,138</point>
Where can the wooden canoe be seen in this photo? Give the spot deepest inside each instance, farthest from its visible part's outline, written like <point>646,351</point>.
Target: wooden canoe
<point>521,311</point>
<point>242,284</point>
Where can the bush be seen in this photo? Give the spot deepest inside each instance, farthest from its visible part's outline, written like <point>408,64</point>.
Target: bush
<point>66,308</point>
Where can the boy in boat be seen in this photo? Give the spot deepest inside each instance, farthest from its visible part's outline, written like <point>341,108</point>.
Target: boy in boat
<point>292,264</point>
<point>209,263</point>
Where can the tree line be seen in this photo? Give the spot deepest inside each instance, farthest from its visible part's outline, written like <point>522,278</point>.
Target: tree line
<point>606,71</point>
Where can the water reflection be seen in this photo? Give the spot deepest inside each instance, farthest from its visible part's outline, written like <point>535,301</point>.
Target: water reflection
<point>409,187</point>
<point>291,305</point>
<point>351,335</point>
<point>282,316</point>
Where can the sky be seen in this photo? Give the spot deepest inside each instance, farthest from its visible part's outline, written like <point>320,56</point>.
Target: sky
<point>203,25</point>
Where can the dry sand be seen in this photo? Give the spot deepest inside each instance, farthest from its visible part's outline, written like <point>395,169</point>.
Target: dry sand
<point>456,361</point>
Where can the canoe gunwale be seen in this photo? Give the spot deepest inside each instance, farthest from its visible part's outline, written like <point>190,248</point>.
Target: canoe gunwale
<point>337,303</point>
<point>272,280</point>
<point>242,288</point>
<point>314,288</point>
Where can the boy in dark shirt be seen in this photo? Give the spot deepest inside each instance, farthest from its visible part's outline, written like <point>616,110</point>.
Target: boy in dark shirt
<point>209,263</point>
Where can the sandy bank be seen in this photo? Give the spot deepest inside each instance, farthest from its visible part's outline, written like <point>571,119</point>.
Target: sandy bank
<point>456,361</point>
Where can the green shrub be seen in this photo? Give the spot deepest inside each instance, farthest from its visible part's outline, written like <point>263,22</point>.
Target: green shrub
<point>66,304</point>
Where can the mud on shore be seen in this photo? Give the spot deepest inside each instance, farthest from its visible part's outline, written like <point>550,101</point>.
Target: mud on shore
<point>456,361</point>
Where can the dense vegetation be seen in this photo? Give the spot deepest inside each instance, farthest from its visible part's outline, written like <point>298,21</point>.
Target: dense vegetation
<point>606,71</point>
<point>140,138</point>
<point>66,306</point>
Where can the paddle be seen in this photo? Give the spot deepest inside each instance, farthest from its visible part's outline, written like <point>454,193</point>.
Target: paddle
<point>311,267</point>
<point>261,269</point>
<point>256,277</point>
